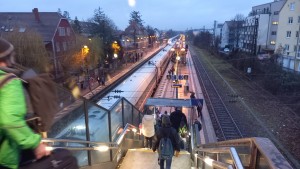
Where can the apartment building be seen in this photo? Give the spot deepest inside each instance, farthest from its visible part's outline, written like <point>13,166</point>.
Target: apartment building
<point>260,28</point>
<point>287,42</point>
<point>230,34</point>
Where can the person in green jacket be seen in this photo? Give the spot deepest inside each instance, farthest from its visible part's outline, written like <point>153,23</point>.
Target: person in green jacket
<point>15,134</point>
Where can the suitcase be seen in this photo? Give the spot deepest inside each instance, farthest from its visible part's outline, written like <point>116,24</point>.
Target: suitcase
<point>59,159</point>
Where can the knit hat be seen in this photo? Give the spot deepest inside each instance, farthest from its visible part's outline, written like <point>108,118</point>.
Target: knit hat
<point>5,48</point>
<point>166,120</point>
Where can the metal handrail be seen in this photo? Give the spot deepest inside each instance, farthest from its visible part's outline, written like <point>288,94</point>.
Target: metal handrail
<point>91,145</point>
<point>216,164</point>
<point>230,150</point>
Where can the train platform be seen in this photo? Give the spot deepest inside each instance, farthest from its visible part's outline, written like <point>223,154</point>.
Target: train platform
<point>166,90</point>
<point>114,75</point>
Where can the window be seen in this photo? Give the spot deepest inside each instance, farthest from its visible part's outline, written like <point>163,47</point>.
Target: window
<point>275,23</point>
<point>272,42</point>
<point>57,47</point>
<point>68,31</point>
<point>288,34</point>
<point>297,34</point>
<point>65,46</point>
<point>290,20</point>
<point>273,33</point>
<point>286,47</point>
<point>61,31</point>
<point>276,12</point>
<point>298,19</point>
<point>292,6</point>
<point>295,48</point>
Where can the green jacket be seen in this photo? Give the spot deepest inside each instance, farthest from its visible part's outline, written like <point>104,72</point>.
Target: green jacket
<point>15,135</point>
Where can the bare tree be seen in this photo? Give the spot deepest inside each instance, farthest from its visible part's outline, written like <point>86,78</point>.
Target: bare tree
<point>30,50</point>
<point>236,28</point>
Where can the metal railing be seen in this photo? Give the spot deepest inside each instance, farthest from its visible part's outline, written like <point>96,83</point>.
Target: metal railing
<point>115,148</point>
<point>253,152</point>
<point>205,154</point>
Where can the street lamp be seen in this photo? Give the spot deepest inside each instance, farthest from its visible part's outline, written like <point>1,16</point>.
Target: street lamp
<point>84,51</point>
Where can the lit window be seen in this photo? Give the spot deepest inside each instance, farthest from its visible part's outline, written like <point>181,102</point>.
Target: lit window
<point>288,34</point>
<point>61,31</point>
<point>275,22</point>
<point>290,20</point>
<point>57,47</point>
<point>273,42</point>
<point>292,6</point>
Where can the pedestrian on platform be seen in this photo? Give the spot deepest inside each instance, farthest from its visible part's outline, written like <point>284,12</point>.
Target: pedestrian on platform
<point>178,119</point>
<point>98,80</point>
<point>164,133</point>
<point>102,80</point>
<point>199,110</point>
<point>192,96</point>
<point>148,129</point>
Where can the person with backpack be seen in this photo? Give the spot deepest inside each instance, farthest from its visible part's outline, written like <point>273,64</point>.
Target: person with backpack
<point>148,129</point>
<point>15,134</point>
<point>167,143</point>
<point>17,140</point>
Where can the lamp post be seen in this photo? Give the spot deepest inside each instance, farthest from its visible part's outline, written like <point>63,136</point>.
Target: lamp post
<point>176,73</point>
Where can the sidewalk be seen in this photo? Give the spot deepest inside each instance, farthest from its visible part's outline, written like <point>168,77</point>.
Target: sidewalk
<point>113,75</point>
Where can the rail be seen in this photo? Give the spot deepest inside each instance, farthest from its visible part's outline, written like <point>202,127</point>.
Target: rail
<point>213,163</point>
<point>229,150</point>
<point>223,122</point>
<point>102,147</point>
<point>91,145</point>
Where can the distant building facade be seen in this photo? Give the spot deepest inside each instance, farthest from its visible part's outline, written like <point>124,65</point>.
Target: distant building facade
<point>260,28</point>
<point>287,42</point>
<point>230,34</point>
<point>56,31</point>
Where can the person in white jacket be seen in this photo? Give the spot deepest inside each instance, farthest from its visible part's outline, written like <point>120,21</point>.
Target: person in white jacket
<point>148,131</point>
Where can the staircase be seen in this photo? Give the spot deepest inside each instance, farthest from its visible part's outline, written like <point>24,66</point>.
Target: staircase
<point>147,159</point>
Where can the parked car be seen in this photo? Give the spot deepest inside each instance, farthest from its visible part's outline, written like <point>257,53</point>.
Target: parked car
<point>226,50</point>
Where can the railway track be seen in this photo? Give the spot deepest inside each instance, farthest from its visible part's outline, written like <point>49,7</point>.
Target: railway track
<point>224,124</point>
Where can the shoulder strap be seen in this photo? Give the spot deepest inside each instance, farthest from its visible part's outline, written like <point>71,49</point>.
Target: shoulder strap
<point>7,78</point>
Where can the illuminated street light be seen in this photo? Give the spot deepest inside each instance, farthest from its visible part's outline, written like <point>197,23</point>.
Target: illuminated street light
<point>115,55</point>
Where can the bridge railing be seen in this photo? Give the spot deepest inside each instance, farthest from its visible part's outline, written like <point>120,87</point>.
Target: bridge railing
<point>253,152</point>
<point>87,122</point>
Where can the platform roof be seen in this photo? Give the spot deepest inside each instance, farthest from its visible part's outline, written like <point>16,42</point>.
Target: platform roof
<point>167,102</point>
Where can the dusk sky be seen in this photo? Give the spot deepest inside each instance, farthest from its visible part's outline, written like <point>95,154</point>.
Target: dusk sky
<point>161,14</point>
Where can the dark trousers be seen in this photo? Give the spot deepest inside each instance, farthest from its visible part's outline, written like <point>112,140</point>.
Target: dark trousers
<point>168,163</point>
<point>148,142</point>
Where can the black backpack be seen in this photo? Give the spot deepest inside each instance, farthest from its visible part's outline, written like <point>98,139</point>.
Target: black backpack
<point>41,98</point>
<point>165,148</point>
